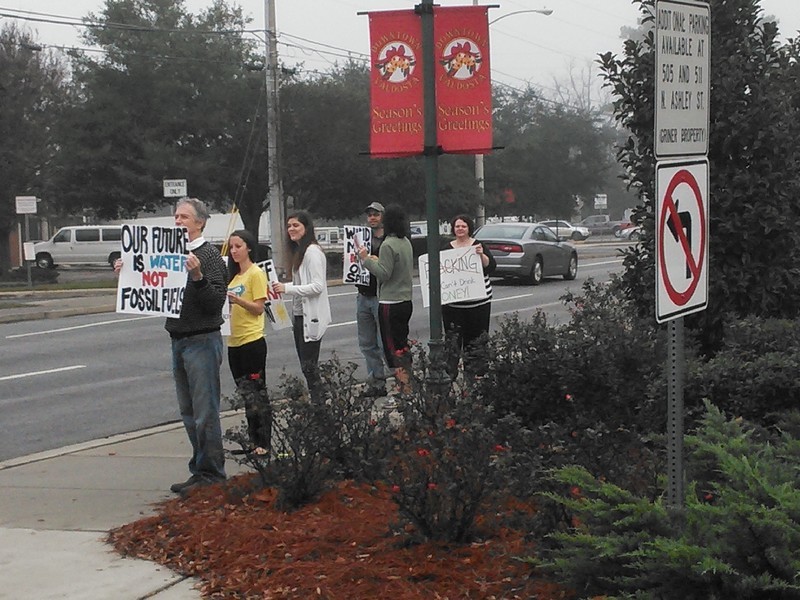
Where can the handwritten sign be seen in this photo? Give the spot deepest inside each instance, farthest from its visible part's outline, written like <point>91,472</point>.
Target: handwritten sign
<point>353,271</point>
<point>275,308</point>
<point>461,274</point>
<point>225,328</point>
<point>153,274</point>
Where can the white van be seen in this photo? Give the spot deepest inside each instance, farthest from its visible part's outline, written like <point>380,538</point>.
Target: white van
<point>328,236</point>
<point>80,245</point>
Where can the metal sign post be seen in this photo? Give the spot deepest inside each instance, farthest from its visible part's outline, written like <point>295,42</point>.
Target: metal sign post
<point>26,205</point>
<point>682,126</point>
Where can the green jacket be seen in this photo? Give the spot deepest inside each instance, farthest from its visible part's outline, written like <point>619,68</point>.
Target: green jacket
<point>393,268</point>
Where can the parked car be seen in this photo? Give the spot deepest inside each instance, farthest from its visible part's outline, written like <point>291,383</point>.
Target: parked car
<point>602,224</point>
<point>81,244</point>
<point>531,251</point>
<point>633,233</point>
<point>568,230</point>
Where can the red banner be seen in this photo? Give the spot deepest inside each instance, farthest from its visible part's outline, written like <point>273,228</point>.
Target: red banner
<point>396,114</point>
<point>463,79</point>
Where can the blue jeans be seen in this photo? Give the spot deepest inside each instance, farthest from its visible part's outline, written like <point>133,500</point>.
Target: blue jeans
<point>195,365</point>
<point>369,339</point>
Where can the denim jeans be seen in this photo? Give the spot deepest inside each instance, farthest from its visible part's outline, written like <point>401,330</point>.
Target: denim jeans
<point>369,339</point>
<point>195,365</point>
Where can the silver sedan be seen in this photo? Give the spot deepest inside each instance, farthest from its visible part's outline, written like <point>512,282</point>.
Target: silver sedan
<point>530,251</point>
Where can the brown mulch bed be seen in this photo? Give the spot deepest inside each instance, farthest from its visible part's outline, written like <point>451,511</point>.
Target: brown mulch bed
<point>340,547</point>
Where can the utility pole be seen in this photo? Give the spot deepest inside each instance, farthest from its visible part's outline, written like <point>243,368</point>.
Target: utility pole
<point>480,217</point>
<point>277,211</point>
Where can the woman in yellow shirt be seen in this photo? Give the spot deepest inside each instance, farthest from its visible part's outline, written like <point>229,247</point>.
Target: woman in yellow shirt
<point>247,348</point>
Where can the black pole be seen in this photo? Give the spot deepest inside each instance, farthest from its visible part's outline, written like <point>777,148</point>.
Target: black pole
<point>432,151</point>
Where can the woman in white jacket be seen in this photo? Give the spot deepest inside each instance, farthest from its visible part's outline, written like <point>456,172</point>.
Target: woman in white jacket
<point>309,292</point>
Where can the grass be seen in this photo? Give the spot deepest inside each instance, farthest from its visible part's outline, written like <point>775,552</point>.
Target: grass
<point>47,287</point>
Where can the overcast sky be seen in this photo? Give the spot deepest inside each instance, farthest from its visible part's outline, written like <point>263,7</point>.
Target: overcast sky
<point>526,47</point>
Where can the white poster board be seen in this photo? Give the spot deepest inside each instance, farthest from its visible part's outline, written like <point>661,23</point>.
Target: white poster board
<point>352,270</point>
<point>153,275</point>
<point>461,274</point>
<point>278,315</point>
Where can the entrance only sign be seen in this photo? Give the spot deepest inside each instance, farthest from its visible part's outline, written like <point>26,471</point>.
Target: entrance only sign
<point>681,238</point>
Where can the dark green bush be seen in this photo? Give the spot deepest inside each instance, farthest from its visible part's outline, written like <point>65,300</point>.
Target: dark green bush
<point>738,536</point>
<point>589,391</point>
<point>605,360</point>
<point>754,375</point>
<point>313,443</point>
<point>452,459</point>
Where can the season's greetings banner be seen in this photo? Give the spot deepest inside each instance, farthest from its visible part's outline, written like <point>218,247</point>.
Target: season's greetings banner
<point>463,82</point>
<point>396,126</point>
<point>153,274</point>
<point>463,79</point>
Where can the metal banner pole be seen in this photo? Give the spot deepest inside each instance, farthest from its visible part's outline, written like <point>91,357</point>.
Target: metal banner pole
<point>436,343</point>
<point>26,238</point>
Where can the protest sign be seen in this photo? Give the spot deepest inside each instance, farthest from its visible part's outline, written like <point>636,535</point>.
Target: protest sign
<point>354,237</point>
<point>225,329</point>
<point>461,274</point>
<point>275,308</point>
<point>153,274</point>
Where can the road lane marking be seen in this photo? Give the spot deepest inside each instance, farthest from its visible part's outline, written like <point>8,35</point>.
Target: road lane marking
<point>49,331</point>
<point>47,372</point>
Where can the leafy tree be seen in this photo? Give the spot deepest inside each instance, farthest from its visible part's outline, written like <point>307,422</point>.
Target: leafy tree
<point>325,141</point>
<point>553,154</point>
<point>754,159</point>
<point>32,95</point>
<point>170,98</point>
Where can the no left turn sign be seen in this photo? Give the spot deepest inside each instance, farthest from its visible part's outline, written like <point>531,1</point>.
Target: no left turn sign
<point>681,238</point>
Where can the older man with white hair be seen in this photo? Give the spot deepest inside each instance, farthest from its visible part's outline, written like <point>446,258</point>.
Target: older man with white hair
<point>197,349</point>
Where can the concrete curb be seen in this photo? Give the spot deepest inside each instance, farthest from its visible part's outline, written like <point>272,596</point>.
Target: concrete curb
<point>100,442</point>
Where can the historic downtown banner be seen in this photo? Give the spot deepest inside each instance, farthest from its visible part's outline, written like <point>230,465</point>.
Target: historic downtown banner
<point>462,88</point>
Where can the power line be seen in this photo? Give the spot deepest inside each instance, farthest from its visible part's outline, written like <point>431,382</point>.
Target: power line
<point>335,51</point>
<point>72,22</point>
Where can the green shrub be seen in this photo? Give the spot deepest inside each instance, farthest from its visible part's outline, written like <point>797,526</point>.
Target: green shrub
<point>585,390</point>
<point>606,360</point>
<point>754,375</point>
<point>738,536</point>
<point>313,443</point>
<point>452,459</point>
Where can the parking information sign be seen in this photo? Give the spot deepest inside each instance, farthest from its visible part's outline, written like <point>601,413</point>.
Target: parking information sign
<point>681,238</point>
<point>683,75</point>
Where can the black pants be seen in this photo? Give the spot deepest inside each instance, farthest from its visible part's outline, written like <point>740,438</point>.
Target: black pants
<point>308,354</point>
<point>463,327</point>
<point>248,364</point>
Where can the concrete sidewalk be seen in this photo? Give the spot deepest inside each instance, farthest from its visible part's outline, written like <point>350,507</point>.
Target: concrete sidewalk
<point>57,506</point>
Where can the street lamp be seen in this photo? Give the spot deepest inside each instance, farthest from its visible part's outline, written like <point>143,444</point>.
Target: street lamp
<point>481,216</point>
<point>542,11</point>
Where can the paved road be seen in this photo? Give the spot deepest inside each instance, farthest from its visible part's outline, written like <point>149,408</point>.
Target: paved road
<point>69,380</point>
